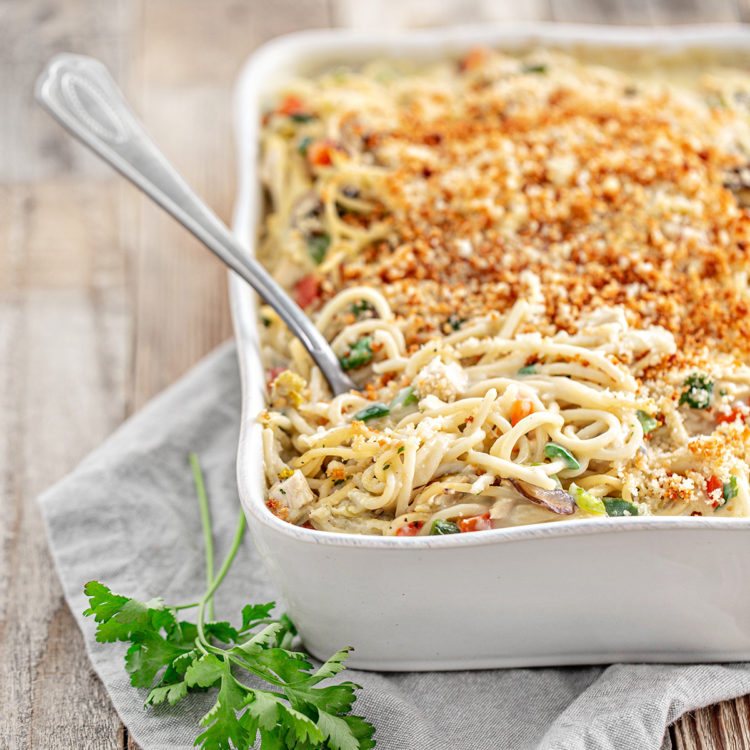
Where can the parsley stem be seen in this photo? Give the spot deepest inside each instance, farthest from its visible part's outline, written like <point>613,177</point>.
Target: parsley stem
<point>208,596</point>
<point>200,490</point>
<point>238,534</point>
<point>186,606</point>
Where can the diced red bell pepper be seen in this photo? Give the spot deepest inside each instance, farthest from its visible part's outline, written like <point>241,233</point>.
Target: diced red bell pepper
<point>320,153</point>
<point>291,105</point>
<point>306,291</point>
<point>409,529</point>
<point>713,483</point>
<point>475,523</point>
<point>474,58</point>
<point>730,417</point>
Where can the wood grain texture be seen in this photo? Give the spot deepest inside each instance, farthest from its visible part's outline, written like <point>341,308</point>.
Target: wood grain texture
<point>104,301</point>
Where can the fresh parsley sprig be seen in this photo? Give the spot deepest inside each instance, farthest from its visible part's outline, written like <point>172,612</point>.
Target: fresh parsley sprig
<point>173,658</point>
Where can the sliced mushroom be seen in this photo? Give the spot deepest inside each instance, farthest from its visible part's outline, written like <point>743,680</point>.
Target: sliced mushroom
<point>557,500</point>
<point>306,213</point>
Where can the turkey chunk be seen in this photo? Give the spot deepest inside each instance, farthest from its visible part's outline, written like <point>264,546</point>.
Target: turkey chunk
<point>293,492</point>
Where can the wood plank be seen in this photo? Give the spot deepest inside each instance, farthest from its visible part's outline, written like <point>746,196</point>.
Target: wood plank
<point>725,726</point>
<point>30,33</point>
<point>64,347</point>
<point>396,14</point>
<point>634,12</point>
<point>695,11</point>
<point>64,351</point>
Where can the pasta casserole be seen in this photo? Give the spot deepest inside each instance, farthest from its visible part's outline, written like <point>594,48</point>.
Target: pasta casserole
<point>534,269</point>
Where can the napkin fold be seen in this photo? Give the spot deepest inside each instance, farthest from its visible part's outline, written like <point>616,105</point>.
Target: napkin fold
<point>128,516</point>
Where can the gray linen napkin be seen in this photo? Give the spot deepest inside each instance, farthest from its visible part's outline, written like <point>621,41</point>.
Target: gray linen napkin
<point>128,516</point>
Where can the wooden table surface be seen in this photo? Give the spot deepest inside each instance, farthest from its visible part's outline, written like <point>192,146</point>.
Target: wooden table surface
<point>104,301</point>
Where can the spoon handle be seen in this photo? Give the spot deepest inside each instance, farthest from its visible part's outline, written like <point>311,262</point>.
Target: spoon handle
<point>82,96</point>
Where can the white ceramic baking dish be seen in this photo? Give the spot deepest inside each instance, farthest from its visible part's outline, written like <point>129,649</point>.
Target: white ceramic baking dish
<point>575,592</point>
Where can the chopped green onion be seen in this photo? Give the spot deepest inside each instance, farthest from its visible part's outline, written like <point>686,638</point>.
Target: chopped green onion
<point>528,370</point>
<point>405,397</point>
<point>618,507</point>
<point>699,389</point>
<point>729,490</point>
<point>304,144</point>
<point>534,68</point>
<point>337,482</point>
<point>554,451</point>
<point>302,117</point>
<point>360,353</point>
<point>373,411</point>
<point>400,450</point>
<point>444,527</point>
<point>647,421</point>
<point>586,501</point>
<point>317,246</point>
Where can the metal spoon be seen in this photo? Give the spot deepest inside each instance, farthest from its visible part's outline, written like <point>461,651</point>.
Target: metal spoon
<point>81,95</point>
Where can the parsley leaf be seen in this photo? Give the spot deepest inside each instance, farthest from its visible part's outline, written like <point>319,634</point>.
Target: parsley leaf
<point>175,658</point>
<point>698,391</point>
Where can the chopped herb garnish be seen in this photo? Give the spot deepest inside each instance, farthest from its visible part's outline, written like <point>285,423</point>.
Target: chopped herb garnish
<point>317,246</point>
<point>302,117</point>
<point>360,353</point>
<point>400,450</point>
<point>618,507</point>
<point>528,370</point>
<point>444,527</point>
<point>554,451</point>
<point>455,322</point>
<point>648,423</point>
<point>386,467</point>
<point>361,307</point>
<point>699,389</point>
<point>304,144</point>
<point>266,321</point>
<point>373,411</point>
<point>405,397</point>
<point>723,392</point>
<point>337,482</point>
<point>586,501</point>
<point>534,68</point>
